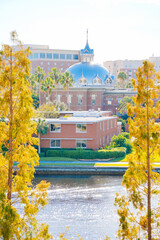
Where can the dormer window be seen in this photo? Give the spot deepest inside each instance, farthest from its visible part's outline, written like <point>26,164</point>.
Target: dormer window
<point>82,81</point>
<point>97,81</point>
<point>109,80</point>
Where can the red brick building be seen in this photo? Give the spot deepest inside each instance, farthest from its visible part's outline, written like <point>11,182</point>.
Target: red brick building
<point>87,129</point>
<point>86,98</point>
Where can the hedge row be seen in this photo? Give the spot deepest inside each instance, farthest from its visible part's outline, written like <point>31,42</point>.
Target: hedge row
<point>88,154</point>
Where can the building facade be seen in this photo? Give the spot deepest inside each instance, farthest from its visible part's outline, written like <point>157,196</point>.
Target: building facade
<point>129,66</point>
<point>93,87</point>
<point>89,129</point>
<point>48,58</point>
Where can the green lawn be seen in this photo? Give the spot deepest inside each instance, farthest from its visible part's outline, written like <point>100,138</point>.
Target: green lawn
<point>66,164</point>
<point>57,159</point>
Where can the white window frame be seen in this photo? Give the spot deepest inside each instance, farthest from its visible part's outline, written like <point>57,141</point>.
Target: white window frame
<point>103,140</point>
<point>56,130</point>
<point>55,143</point>
<point>81,142</point>
<point>107,124</point>
<point>81,128</point>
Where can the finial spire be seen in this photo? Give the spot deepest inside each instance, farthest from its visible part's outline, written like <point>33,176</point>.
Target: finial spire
<point>87,34</point>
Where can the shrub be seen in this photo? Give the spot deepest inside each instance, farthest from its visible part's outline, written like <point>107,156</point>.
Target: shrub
<point>42,154</point>
<point>125,134</point>
<point>87,154</point>
<point>121,141</point>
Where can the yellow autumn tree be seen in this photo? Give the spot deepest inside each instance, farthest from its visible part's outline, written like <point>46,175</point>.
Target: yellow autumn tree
<point>19,202</point>
<point>139,209</point>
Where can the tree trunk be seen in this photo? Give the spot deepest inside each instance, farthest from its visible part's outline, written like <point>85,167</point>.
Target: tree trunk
<point>148,170</point>
<point>39,145</point>
<point>10,169</point>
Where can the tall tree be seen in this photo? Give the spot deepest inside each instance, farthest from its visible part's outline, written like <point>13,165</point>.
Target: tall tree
<point>123,104</point>
<point>19,158</point>
<point>55,75</point>
<point>140,180</point>
<point>36,81</point>
<point>122,77</point>
<point>47,86</point>
<point>67,81</point>
<point>42,128</point>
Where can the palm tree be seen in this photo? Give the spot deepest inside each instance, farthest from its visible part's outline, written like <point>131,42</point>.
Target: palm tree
<point>123,104</point>
<point>38,78</point>
<point>67,81</point>
<point>42,128</point>
<point>55,75</point>
<point>47,85</point>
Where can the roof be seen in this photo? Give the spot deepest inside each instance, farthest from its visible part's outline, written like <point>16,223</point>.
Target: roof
<point>87,50</point>
<point>76,120</point>
<point>90,72</point>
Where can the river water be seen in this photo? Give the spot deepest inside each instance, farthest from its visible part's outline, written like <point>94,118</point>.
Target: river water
<point>85,204</point>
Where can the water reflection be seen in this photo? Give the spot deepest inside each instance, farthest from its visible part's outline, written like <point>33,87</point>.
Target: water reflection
<point>83,203</point>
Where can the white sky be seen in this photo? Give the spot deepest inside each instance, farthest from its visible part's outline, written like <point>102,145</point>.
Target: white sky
<point>118,29</point>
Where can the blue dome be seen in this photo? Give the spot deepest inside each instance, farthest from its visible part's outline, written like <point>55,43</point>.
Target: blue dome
<point>86,73</point>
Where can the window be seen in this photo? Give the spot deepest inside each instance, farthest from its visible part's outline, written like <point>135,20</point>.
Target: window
<point>61,69</point>
<point>109,101</point>
<point>55,127</point>
<point>58,98</point>
<point>93,99</point>
<point>103,126</point>
<point>103,140</point>
<point>48,68</point>
<point>81,128</point>
<point>68,56</point>
<point>42,55</point>
<point>75,56</point>
<point>62,64</point>
<point>111,124</point>
<point>62,56</point>
<point>35,55</point>
<point>108,124</point>
<point>55,55</point>
<point>81,143</point>
<point>80,100</point>
<point>55,63</point>
<point>41,63</point>
<point>49,55</point>
<point>55,143</point>
<point>69,99</point>
<point>48,63</point>
<point>30,56</point>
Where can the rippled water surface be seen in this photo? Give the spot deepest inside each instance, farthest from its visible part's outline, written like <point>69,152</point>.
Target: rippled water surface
<point>85,204</point>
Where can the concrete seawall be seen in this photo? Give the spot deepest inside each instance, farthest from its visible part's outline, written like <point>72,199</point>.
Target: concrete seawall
<point>84,170</point>
<point>48,170</point>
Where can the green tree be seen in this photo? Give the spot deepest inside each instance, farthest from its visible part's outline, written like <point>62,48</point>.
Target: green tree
<point>60,106</point>
<point>67,81</point>
<point>42,128</point>
<point>18,160</point>
<point>55,75</point>
<point>47,86</point>
<point>46,111</point>
<point>122,80</point>
<point>121,141</point>
<point>142,221</point>
<point>36,81</point>
<point>123,104</point>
